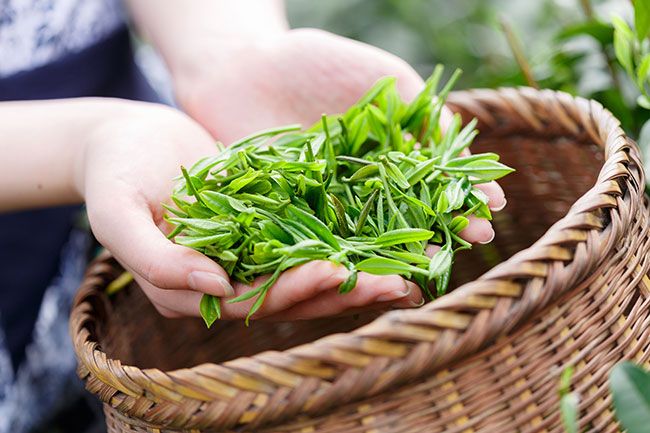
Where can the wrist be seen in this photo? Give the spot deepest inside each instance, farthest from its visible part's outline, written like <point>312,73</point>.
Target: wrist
<point>189,34</point>
<point>104,119</point>
<point>42,144</point>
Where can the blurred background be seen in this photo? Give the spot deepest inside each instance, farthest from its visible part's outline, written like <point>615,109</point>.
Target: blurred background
<point>558,44</point>
<point>567,44</point>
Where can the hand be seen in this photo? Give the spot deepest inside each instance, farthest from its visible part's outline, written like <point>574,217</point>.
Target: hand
<point>293,77</point>
<point>126,171</point>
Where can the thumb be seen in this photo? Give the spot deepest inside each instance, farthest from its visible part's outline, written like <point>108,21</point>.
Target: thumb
<point>138,243</point>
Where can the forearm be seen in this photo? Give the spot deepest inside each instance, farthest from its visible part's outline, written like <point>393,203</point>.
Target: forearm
<point>186,32</point>
<point>42,148</point>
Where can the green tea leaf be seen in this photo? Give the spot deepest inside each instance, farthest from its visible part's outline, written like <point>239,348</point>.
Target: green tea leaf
<point>482,169</point>
<point>458,223</point>
<point>203,225</point>
<point>365,211</point>
<point>265,133</point>
<point>403,236</point>
<point>309,248</point>
<point>364,172</point>
<point>210,309</point>
<point>202,241</point>
<point>313,224</point>
<point>340,216</point>
<point>455,195</point>
<point>380,86</point>
<point>461,162</point>
<point>384,266</point>
<point>440,263</point>
<point>396,175</point>
<point>417,173</point>
<point>349,283</point>
<point>357,133</point>
<point>442,282</point>
<point>480,195</point>
<point>443,204</point>
<point>423,206</point>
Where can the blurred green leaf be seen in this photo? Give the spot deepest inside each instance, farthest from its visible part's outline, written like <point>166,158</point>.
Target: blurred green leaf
<point>643,101</point>
<point>569,402</point>
<point>642,71</point>
<point>630,386</point>
<point>644,145</point>
<point>600,31</point>
<point>569,411</point>
<point>623,38</point>
<point>641,18</point>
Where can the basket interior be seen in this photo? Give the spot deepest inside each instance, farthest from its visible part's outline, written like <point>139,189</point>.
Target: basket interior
<point>551,174</point>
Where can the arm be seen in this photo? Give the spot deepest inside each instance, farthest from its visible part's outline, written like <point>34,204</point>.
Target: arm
<point>41,150</point>
<point>204,30</point>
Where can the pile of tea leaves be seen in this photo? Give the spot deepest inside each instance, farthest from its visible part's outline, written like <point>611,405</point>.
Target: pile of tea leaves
<point>368,189</point>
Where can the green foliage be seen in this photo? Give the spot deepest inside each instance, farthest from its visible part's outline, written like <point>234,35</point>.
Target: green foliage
<point>630,386</point>
<point>367,189</point>
<point>569,402</point>
<point>569,45</point>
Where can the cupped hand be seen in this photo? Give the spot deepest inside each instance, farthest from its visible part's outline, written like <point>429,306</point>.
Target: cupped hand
<point>294,77</point>
<point>127,171</point>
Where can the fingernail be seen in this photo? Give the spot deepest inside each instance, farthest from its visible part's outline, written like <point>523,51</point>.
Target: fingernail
<point>418,304</point>
<point>408,304</point>
<point>391,296</point>
<point>208,282</point>
<point>497,209</point>
<point>489,240</point>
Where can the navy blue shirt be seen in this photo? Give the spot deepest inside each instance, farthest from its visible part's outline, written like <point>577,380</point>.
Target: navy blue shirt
<point>30,242</point>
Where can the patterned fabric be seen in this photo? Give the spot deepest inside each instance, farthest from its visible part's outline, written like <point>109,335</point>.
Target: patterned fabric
<point>47,378</point>
<point>36,32</point>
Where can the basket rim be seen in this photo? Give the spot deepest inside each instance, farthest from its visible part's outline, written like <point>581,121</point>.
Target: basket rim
<point>402,344</point>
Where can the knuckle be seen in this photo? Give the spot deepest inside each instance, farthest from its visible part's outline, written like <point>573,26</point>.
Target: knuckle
<point>155,274</point>
<point>166,312</point>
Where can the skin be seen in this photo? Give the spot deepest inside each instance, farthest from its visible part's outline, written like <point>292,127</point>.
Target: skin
<point>236,69</point>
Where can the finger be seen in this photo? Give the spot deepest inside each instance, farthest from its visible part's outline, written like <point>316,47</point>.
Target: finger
<point>371,292</point>
<point>138,243</point>
<point>478,230</point>
<point>293,286</point>
<point>409,83</point>
<point>170,303</point>
<point>497,198</point>
<point>445,119</point>
<point>432,249</point>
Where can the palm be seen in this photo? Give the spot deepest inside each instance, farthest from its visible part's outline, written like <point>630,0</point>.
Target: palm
<point>292,77</point>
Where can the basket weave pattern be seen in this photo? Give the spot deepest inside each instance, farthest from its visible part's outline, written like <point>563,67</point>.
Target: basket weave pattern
<point>484,358</point>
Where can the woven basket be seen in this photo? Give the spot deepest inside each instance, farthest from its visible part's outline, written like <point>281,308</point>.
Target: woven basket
<point>571,288</point>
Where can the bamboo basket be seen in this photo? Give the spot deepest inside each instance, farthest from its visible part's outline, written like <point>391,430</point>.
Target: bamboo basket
<point>564,283</point>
